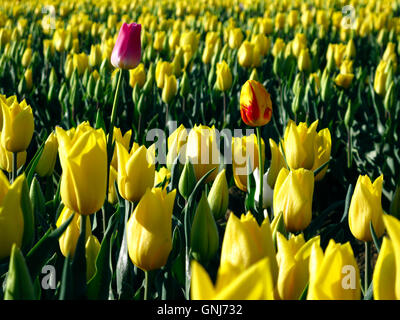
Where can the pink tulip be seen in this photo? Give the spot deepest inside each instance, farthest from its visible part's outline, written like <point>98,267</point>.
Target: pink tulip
<point>127,49</point>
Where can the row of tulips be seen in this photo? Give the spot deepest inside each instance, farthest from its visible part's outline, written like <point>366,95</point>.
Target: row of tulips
<point>86,196</point>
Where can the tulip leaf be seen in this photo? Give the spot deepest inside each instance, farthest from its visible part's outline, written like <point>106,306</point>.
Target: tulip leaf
<point>79,262</point>
<point>370,292</point>
<point>66,290</point>
<point>347,203</point>
<point>99,286</point>
<point>322,167</point>
<point>45,248</point>
<point>30,169</point>
<point>303,295</point>
<point>174,174</point>
<point>375,237</point>
<point>19,284</point>
<point>29,219</point>
<point>100,121</point>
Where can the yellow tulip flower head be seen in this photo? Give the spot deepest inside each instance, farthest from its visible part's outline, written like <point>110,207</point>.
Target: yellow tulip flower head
<point>177,145</point>
<point>293,194</point>
<point>385,272</point>
<point>47,160</point>
<point>366,207</point>
<point>334,275</point>
<point>11,216</point>
<point>244,244</point>
<point>203,151</point>
<point>136,171</point>
<point>83,160</point>
<point>224,76</point>
<point>149,229</point>
<point>277,163</point>
<point>322,152</point>
<point>18,126</point>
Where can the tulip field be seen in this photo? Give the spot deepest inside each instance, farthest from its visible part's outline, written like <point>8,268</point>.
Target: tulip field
<point>199,150</point>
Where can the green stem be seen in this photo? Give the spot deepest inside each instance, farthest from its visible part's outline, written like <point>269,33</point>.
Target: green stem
<point>349,147</point>
<point>146,285</point>
<point>261,170</point>
<point>14,166</point>
<point>367,275</point>
<point>224,98</point>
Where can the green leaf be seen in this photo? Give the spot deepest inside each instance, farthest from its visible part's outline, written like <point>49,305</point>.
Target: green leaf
<point>370,292</point>
<point>79,263</point>
<point>45,248</point>
<point>38,202</point>
<point>375,237</point>
<point>347,203</point>
<point>67,289</point>
<point>19,284</point>
<point>30,169</point>
<point>99,285</point>
<point>303,295</point>
<point>29,220</point>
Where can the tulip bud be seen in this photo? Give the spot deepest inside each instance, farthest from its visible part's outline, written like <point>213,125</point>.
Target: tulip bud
<point>170,88</point>
<point>204,233</point>
<point>149,229</point>
<point>255,104</point>
<point>365,207</point>
<point>224,76</point>
<point>26,58</point>
<point>47,161</point>
<point>296,207</point>
<point>63,93</point>
<point>218,197</point>
<point>187,180</point>
<point>28,78</point>
<point>389,97</point>
<point>92,249</point>
<point>127,50</point>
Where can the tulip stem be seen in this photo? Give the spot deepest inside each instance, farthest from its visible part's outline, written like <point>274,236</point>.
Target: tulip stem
<point>367,275</point>
<point>146,285</point>
<point>224,101</point>
<point>349,147</point>
<point>14,167</point>
<point>261,169</point>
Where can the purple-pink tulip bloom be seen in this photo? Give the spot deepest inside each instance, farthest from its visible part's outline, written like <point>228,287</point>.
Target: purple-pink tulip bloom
<point>127,50</point>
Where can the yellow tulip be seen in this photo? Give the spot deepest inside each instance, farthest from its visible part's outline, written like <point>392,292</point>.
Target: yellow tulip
<point>59,39</point>
<point>235,38</point>
<point>47,160</point>
<point>393,229</point>
<point>80,62</point>
<point>137,76</point>
<point>293,260</point>
<point>26,57</point>
<point>279,46</point>
<point>243,148</point>
<point>254,283</point>
<point>28,79</point>
<point>322,152</point>
<point>262,42</point>
<point>224,76</point>
<point>380,78</point>
<point>299,144</point>
<point>293,18</point>
<point>69,238</point>
<point>177,145</point>
<point>11,216</point>
<point>202,150</point>
<point>244,244</point>
<point>83,160</point>
<point>385,272</point>
<point>277,163</point>
<point>334,275</point>
<point>350,50</point>
<point>304,60</point>
<point>163,174</point>
<point>159,39</point>
<point>299,44</point>
<point>170,88</point>
<point>344,80</point>
<point>245,54</point>
<point>18,126</point>
<point>293,195</point>
<point>95,56</point>
<point>365,206</point>
<point>280,21</point>
<point>112,196</point>
<point>125,140</point>
<point>149,229</point>
<point>162,68</point>
<point>136,172</point>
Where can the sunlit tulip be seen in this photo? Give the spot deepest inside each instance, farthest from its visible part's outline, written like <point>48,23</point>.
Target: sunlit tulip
<point>177,145</point>
<point>254,283</point>
<point>293,195</point>
<point>366,207</point>
<point>127,50</point>
<point>203,151</point>
<point>299,144</point>
<point>245,54</point>
<point>163,174</point>
<point>218,196</point>
<point>47,160</point>
<point>244,244</point>
<point>304,60</point>
<point>92,249</point>
<point>132,168</point>
<point>224,76</point>
<point>125,140</point>
<point>255,104</point>
<point>163,68</point>
<point>293,260</point>
<point>277,163</point>
<point>149,229</point>
<point>83,160</point>
<point>322,152</point>
<point>137,76</point>
<point>235,38</point>
<point>170,88</point>
<point>279,46</point>
<point>18,126</point>
<point>11,216</point>
<point>159,39</point>
<point>334,275</point>
<point>244,148</point>
<point>385,272</point>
